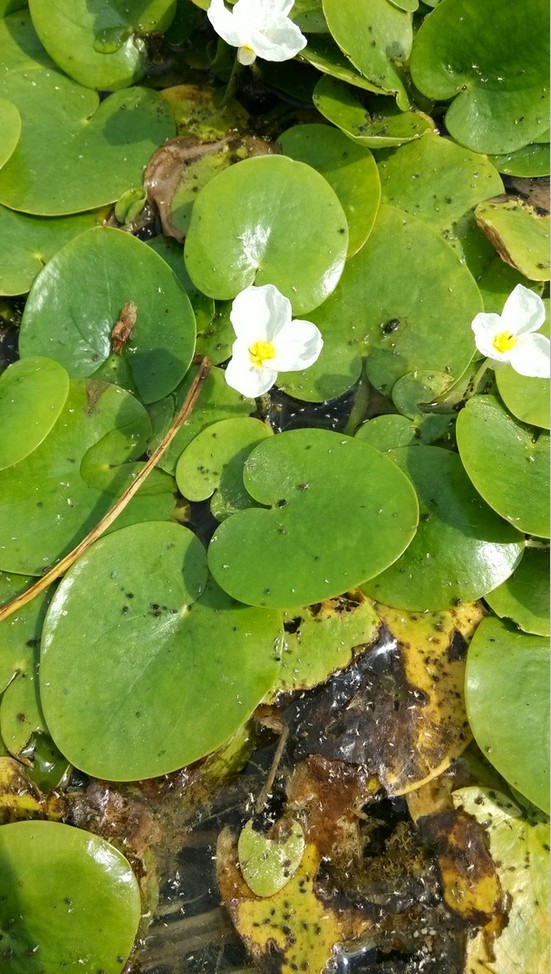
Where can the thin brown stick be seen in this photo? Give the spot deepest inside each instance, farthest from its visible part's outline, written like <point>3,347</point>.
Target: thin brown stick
<point>96,532</point>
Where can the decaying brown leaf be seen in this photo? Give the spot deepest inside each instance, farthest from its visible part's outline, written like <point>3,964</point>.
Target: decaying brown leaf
<point>124,327</point>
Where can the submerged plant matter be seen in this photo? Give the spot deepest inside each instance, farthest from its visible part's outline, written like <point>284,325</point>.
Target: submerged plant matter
<point>274,560</point>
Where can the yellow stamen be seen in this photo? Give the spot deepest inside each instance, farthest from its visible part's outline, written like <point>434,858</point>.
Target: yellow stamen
<point>504,342</point>
<point>259,352</point>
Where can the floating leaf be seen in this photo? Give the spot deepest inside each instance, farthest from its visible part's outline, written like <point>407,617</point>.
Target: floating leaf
<point>198,111</point>
<point>67,898</point>
<point>507,698</point>
<point>377,38</point>
<point>519,233</point>
<point>520,851</point>
<point>275,558</point>
<point>421,178</point>
<point>349,169</point>
<point>10,129</point>
<point>387,432</point>
<point>532,160</point>
<point>497,77</point>
<point>68,158</point>
<point>99,45</point>
<point>267,864</point>
<point>321,638</point>
<point>508,463</point>
<point>28,242</point>
<point>254,224</point>
<point>524,597</point>
<point>322,53</point>
<point>32,394</point>
<point>217,401</point>
<point>46,506</point>
<point>461,551</point>
<point>212,464</point>
<point>78,326</point>
<point>176,668</point>
<point>405,300</point>
<point>375,124</point>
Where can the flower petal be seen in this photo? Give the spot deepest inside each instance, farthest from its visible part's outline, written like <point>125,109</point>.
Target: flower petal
<point>258,313</point>
<point>226,25</point>
<point>532,356</point>
<point>486,325</point>
<point>248,379</point>
<point>523,311</point>
<point>279,41</point>
<point>298,345</point>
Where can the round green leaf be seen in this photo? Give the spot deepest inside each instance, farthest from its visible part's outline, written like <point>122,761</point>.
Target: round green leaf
<point>173,673</point>
<point>377,38</point>
<point>492,59</point>
<point>268,864</point>
<point>508,463</point>
<point>254,223</point>
<point>524,597</point>
<point>507,699</point>
<point>388,432</point>
<point>526,397</point>
<point>532,160</point>
<point>69,157</point>
<point>519,233</point>
<point>32,395</point>
<point>68,900</point>
<point>312,544</point>
<point>46,506</point>
<point>416,388</point>
<point>371,122</point>
<point>461,551</point>
<point>322,53</point>
<point>76,325</point>
<point>349,169</point>
<point>10,129</point>
<point>212,464</point>
<point>421,177</point>
<point>100,45</point>
<point>28,242</point>
<point>422,324</point>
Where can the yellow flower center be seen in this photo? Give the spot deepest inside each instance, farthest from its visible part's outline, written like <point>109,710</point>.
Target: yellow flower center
<point>259,352</point>
<point>246,55</point>
<point>504,342</point>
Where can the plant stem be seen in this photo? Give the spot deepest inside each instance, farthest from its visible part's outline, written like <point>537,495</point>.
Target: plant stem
<point>106,522</point>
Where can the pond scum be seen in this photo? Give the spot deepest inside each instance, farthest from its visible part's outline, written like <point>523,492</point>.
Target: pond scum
<point>274,487</point>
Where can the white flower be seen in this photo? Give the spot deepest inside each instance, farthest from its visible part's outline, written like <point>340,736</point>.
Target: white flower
<point>258,28</point>
<point>268,340</point>
<point>509,339</point>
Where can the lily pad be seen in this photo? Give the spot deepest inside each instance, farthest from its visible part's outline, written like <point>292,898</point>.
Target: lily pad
<point>519,233</point>
<point>217,401</point>
<point>372,122</point>
<point>176,668</point>
<point>349,169</point>
<point>526,397</point>
<point>492,60</point>
<point>212,464</point>
<point>10,129</point>
<point>28,242</point>
<point>507,698</point>
<point>254,224</point>
<point>520,850</point>
<point>68,899</point>
<point>81,327</point>
<point>508,463</point>
<point>100,45</point>
<point>461,551</point>
<point>421,178</point>
<point>267,864</point>
<point>388,432</point>
<point>405,301</point>
<point>322,638</point>
<point>46,506</point>
<point>532,160</point>
<point>377,38</point>
<point>68,158</point>
<point>32,395</point>
<point>277,557</point>
<point>524,597</point>
<point>322,53</point>
<point>198,111</point>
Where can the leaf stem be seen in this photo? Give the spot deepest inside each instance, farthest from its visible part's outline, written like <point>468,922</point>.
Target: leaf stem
<point>106,522</point>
